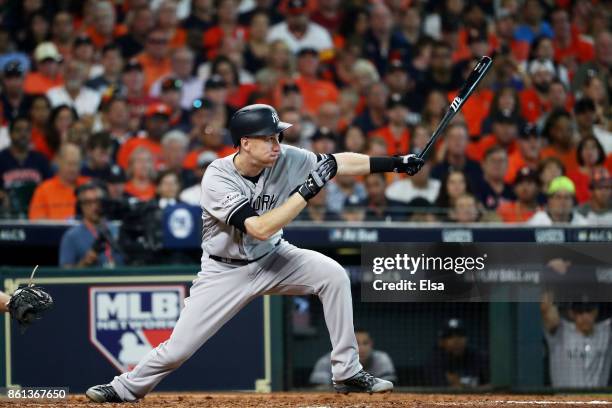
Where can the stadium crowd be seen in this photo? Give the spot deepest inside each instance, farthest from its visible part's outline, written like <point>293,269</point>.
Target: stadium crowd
<point>138,93</point>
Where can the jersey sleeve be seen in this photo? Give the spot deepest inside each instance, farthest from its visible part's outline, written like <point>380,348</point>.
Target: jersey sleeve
<point>221,196</point>
<point>302,162</point>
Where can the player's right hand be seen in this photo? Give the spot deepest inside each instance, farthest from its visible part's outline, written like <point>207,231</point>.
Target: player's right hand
<point>325,170</point>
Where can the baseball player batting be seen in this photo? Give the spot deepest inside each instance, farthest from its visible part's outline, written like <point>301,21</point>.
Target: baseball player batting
<point>247,198</point>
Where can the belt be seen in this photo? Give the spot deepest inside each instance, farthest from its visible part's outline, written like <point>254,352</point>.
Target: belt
<point>240,262</point>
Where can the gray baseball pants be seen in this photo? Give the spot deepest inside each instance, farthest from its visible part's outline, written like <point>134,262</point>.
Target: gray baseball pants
<point>221,290</point>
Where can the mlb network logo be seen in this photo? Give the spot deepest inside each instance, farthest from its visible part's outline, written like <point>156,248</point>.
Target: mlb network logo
<point>126,322</point>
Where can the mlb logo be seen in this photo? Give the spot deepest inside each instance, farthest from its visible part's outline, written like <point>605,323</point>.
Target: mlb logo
<point>126,322</point>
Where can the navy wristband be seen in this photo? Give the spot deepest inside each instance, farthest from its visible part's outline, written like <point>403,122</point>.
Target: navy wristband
<point>383,164</point>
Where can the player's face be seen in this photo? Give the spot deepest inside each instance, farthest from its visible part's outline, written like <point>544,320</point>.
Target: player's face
<point>585,320</point>
<point>264,150</point>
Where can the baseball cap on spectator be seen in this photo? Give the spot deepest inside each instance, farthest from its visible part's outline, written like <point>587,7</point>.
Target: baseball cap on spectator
<point>308,51</point>
<point>115,175</point>
<point>202,103</point>
<point>452,327</point>
<point>171,84</point>
<point>353,202</point>
<point>290,87</point>
<point>396,100</point>
<point>584,305</point>
<point>205,158</point>
<point>528,130</point>
<point>600,179</point>
<point>476,35</point>
<point>584,105</point>
<point>13,69</point>
<point>505,118</point>
<point>396,65</point>
<point>215,82</point>
<point>297,6</point>
<point>47,51</point>
<point>526,174</point>
<point>158,108</point>
<point>537,66</point>
<point>82,40</point>
<point>561,183</point>
<point>132,65</point>
<point>323,133</point>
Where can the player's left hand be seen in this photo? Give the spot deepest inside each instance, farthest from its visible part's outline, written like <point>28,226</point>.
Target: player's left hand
<point>28,303</point>
<point>410,164</point>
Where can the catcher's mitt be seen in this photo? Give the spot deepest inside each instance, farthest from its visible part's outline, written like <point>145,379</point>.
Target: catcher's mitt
<point>28,303</point>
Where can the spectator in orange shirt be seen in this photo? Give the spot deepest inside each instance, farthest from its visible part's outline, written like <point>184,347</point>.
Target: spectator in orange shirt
<point>140,21</point>
<point>141,174</point>
<point>168,20</point>
<point>505,24</point>
<point>396,133</point>
<point>155,59</point>
<point>157,123</point>
<point>526,203</point>
<point>570,49</point>
<point>62,32</point>
<point>39,112</point>
<point>104,29</point>
<point>558,130</point>
<point>527,154</point>
<point>591,159</point>
<point>54,199</point>
<point>47,73</point>
<point>314,91</point>
<point>132,81</point>
<point>211,139</point>
<point>227,26</point>
<point>534,100</point>
<point>238,94</point>
<point>505,133</point>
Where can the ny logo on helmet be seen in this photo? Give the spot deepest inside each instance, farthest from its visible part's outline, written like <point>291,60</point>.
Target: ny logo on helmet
<point>275,117</point>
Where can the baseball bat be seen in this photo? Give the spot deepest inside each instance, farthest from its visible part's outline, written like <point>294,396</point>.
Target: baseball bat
<point>470,85</point>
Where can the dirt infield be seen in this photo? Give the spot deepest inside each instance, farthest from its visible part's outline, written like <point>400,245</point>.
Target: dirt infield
<point>323,400</point>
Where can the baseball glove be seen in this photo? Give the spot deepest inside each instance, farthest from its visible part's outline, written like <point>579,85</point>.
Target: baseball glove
<point>28,303</point>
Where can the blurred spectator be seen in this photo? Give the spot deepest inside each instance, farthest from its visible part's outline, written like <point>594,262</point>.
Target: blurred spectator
<point>353,210</point>
<point>548,170</point>
<point>570,48</point>
<point>226,28</point>
<point>421,210</point>
<point>267,7</point>
<point>201,17</point>
<point>442,74</point>
<point>256,47</point>
<point>294,135</point>
<point>542,49</point>
<point>465,209</point>
<point>211,139</point>
<point>61,120</point>
<point>579,348</point>
<point>383,39</point>
<point>216,90</point>
<point>505,102</point>
<point>560,207</point>
<point>116,121</point>
<point>62,32</point>
<point>104,28</point>
<point>586,123</point>
<point>182,63</point>
<point>280,63</point>
<point>291,98</point>
<point>14,102</point>
<point>168,187</point>
<point>441,12</point>
<point>167,20</point>
<point>316,211</point>
<point>595,89</point>
<point>526,191</point>
<point>21,170</point>
<point>202,113</point>
<point>598,210</point>
<point>376,362</point>
<point>74,93</point>
<point>559,133</point>
<point>54,199</point>
<point>433,110</point>
<point>314,91</point>
<point>174,150</point>
<point>419,185</point>
<point>98,156</point>
<point>453,154</point>
<point>115,183</point>
<point>379,207</point>
<point>238,93</point>
<point>454,363</point>
<point>354,140</point>
<point>112,64</point>
<point>157,123</point>
<point>48,73</point>
<point>505,132</point>
<point>328,115</point>
<point>298,31</point>
<point>534,99</point>
<point>155,59</point>
<point>411,24</point>
<point>84,51</point>
<point>171,95</point>
<point>329,15</point>
<point>39,112</point>
<point>505,26</point>
<point>374,115</point>
<point>343,188</point>
<point>453,185</point>
<point>599,66</point>
<point>399,81</point>
<point>591,158</point>
<point>93,241</point>
<point>527,154</point>
<point>532,24</point>
<point>324,141</point>
<point>191,195</point>
<point>140,175</point>
<point>491,189</point>
<point>396,134</point>
<point>140,21</point>
<point>37,30</point>
<point>138,100</point>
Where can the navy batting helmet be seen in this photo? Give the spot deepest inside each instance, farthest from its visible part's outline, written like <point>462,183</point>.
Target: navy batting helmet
<point>256,120</point>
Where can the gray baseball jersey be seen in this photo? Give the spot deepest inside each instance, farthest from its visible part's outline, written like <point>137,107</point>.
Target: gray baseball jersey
<point>225,191</point>
<point>580,361</point>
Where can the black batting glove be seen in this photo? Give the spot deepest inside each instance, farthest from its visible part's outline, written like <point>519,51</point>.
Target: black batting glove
<point>409,164</point>
<point>326,169</point>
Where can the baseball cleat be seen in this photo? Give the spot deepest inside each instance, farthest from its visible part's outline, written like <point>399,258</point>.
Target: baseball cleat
<point>363,382</point>
<point>103,393</point>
